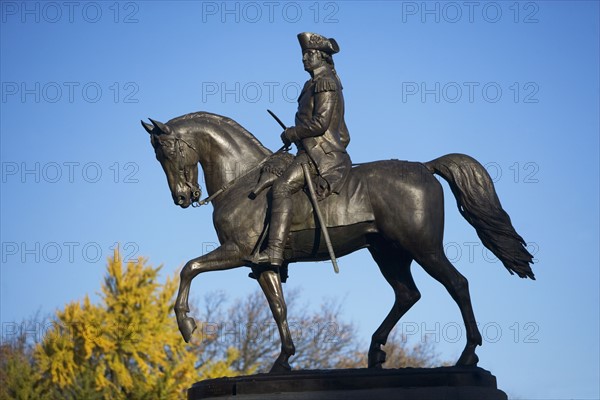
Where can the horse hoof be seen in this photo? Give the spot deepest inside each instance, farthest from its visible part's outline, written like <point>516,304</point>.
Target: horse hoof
<point>376,358</point>
<point>468,359</point>
<point>280,367</point>
<point>187,326</point>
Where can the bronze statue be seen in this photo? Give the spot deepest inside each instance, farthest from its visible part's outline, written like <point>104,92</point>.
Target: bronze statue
<point>321,137</point>
<point>393,208</point>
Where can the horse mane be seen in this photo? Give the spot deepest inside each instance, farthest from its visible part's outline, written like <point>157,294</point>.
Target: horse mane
<point>217,119</point>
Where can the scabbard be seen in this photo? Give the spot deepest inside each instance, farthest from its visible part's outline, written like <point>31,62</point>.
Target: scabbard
<point>313,198</point>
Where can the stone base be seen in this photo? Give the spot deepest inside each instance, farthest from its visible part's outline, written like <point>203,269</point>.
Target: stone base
<point>448,383</point>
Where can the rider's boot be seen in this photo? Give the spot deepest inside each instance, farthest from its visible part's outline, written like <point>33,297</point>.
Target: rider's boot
<point>281,218</point>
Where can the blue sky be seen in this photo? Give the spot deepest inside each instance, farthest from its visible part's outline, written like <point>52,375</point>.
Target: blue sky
<point>513,84</point>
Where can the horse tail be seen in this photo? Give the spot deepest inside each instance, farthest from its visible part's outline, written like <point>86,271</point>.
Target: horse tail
<point>478,203</point>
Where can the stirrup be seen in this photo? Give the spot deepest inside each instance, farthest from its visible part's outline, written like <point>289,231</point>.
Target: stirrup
<point>262,259</point>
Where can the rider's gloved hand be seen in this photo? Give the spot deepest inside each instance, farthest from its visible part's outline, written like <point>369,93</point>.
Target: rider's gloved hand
<point>288,136</point>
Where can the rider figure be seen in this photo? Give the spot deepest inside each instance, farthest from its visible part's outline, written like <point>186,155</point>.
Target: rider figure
<point>321,136</point>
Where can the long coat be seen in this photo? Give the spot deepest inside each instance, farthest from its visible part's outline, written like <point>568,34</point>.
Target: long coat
<point>321,130</point>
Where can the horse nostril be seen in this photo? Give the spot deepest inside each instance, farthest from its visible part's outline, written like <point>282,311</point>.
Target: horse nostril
<point>180,200</point>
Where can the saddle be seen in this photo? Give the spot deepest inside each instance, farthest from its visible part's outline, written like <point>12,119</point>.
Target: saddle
<point>350,206</point>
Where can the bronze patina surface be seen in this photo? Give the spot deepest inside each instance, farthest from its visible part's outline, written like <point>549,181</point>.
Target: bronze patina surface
<point>264,218</point>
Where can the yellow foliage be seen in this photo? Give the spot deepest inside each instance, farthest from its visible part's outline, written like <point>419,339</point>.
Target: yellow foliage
<point>128,344</point>
<point>221,368</point>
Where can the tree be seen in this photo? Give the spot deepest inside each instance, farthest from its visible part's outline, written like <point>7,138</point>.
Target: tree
<point>399,354</point>
<point>18,376</point>
<point>127,346</point>
<point>322,339</point>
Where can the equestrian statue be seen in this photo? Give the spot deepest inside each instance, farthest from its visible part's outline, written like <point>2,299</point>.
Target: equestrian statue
<point>274,209</point>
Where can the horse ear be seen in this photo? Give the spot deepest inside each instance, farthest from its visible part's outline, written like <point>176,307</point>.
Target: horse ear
<point>147,127</point>
<point>160,126</point>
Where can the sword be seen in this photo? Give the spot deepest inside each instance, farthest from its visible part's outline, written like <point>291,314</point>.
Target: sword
<point>313,198</point>
<point>277,119</point>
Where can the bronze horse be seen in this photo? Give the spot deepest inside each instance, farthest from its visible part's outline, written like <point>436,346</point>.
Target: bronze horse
<point>407,222</point>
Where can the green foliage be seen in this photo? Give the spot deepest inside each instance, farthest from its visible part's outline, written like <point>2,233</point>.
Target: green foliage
<point>18,376</point>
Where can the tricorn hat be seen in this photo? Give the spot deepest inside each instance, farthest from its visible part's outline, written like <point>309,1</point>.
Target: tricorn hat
<point>315,41</point>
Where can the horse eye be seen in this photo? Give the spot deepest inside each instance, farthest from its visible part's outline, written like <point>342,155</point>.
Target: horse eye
<point>165,143</point>
<point>169,151</point>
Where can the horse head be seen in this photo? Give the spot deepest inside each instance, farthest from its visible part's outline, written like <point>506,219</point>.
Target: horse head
<point>179,159</point>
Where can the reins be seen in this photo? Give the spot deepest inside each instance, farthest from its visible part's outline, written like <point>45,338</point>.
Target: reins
<point>225,187</point>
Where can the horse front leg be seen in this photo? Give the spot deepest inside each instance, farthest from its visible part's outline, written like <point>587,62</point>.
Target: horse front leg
<point>222,258</point>
<point>270,283</point>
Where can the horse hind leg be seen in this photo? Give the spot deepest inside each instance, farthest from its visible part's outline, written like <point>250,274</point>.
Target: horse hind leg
<point>437,265</point>
<point>395,267</point>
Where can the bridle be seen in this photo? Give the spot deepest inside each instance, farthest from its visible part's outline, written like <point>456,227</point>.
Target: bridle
<point>196,190</point>
<point>193,186</point>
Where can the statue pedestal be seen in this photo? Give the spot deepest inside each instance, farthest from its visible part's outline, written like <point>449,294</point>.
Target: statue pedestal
<point>448,383</point>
